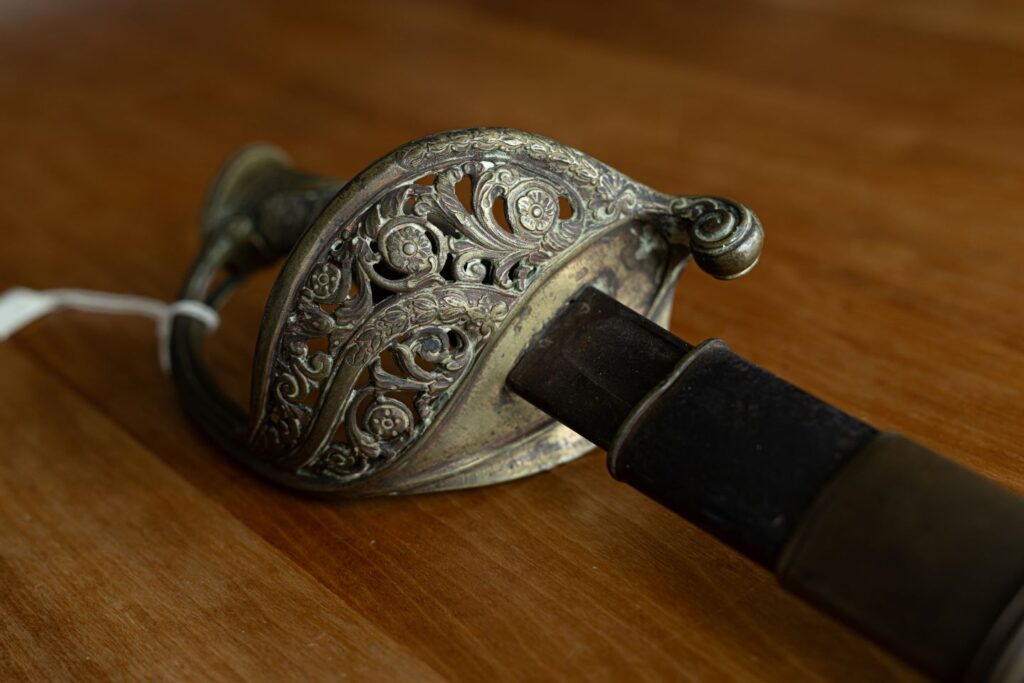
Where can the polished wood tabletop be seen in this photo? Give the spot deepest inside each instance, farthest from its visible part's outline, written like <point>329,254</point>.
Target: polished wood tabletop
<point>882,145</point>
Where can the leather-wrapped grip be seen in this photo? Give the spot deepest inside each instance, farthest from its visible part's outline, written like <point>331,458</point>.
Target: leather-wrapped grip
<point>919,553</point>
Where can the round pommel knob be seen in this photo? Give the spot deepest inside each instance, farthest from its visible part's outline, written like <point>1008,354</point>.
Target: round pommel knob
<point>261,204</point>
<point>725,237</point>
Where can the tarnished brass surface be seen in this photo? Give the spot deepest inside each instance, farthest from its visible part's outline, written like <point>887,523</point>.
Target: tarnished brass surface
<point>409,292</point>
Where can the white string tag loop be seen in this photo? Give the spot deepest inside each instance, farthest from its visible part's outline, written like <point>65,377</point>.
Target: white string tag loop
<point>20,306</point>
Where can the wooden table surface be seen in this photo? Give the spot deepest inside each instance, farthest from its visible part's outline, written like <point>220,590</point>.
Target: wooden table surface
<point>881,145</point>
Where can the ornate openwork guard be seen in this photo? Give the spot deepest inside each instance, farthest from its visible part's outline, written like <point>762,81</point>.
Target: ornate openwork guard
<point>409,292</point>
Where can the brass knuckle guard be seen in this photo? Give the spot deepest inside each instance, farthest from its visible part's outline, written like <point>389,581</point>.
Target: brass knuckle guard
<point>409,292</point>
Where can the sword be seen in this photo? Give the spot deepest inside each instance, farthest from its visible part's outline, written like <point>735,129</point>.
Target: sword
<point>408,294</point>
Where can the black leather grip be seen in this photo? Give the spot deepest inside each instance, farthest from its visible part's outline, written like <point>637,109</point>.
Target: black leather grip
<point>734,449</point>
<point>919,553</point>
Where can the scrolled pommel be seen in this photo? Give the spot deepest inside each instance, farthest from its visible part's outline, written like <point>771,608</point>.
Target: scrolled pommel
<point>724,236</point>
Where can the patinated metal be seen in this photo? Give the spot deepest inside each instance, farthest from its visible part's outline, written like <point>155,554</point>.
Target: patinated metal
<point>408,293</point>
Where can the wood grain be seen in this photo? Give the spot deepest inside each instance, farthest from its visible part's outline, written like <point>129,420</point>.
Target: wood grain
<point>880,145</point>
<point>132,566</point>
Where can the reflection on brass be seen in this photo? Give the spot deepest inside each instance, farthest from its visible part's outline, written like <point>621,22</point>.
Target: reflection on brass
<point>408,292</point>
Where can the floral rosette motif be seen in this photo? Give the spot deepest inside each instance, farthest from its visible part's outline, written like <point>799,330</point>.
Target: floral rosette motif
<point>413,289</point>
<point>388,419</point>
<point>534,206</point>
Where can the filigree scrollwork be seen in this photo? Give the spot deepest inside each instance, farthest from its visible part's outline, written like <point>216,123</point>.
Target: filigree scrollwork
<point>302,374</point>
<point>425,364</point>
<point>413,288</point>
